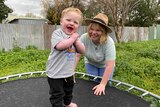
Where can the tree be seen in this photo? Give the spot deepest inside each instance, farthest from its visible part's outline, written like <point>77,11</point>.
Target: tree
<point>52,10</point>
<point>145,14</point>
<point>119,10</point>
<point>4,10</point>
<point>45,5</point>
<point>94,7</point>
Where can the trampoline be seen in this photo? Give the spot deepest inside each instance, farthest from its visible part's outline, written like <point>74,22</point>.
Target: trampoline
<point>33,92</point>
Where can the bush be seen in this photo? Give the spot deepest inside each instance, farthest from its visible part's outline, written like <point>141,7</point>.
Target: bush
<point>138,63</point>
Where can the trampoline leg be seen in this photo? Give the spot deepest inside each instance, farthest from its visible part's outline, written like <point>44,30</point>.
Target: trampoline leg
<point>109,83</point>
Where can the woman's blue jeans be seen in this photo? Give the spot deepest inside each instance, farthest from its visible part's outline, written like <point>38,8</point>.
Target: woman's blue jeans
<point>93,70</point>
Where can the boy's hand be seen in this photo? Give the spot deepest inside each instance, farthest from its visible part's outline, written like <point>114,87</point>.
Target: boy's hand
<point>74,36</point>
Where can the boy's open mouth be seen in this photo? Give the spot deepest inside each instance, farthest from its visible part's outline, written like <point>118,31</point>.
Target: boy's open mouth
<point>70,29</point>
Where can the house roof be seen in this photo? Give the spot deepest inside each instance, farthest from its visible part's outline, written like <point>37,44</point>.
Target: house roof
<point>11,19</point>
<point>27,18</point>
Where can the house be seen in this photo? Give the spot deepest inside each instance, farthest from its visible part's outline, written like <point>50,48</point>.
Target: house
<point>26,20</point>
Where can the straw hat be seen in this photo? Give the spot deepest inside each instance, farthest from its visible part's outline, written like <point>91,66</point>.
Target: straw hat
<point>101,19</point>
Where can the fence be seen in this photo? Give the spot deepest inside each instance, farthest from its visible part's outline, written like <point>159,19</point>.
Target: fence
<point>21,35</point>
<point>154,32</point>
<point>40,35</point>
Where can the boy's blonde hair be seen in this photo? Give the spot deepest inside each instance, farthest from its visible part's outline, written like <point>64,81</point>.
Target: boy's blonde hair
<point>72,9</point>
<point>104,36</point>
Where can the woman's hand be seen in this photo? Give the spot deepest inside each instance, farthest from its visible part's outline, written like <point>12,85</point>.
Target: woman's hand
<point>99,89</point>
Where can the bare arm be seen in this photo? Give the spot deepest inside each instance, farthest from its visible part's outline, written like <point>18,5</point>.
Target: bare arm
<point>100,88</point>
<point>78,56</point>
<point>79,46</point>
<point>107,73</point>
<point>66,43</point>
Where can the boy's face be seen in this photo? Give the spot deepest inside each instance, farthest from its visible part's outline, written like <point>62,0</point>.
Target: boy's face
<point>70,22</point>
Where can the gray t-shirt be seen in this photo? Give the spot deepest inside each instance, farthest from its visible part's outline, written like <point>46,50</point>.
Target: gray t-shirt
<point>60,63</point>
<point>98,55</point>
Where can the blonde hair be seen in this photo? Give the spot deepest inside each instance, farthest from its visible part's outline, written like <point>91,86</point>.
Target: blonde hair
<point>104,36</point>
<point>72,9</point>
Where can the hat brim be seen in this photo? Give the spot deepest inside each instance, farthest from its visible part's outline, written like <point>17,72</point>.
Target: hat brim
<point>109,30</point>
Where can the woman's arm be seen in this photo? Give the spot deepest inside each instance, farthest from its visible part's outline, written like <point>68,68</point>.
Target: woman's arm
<point>100,88</point>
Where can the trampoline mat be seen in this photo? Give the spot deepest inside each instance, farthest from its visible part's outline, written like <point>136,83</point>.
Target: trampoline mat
<point>34,92</point>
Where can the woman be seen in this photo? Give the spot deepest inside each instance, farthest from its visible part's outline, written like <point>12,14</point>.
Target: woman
<point>100,53</point>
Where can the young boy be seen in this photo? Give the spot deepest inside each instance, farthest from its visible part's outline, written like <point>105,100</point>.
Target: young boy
<point>61,61</point>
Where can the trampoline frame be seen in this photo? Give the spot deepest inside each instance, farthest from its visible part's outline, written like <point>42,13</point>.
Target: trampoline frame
<point>117,83</point>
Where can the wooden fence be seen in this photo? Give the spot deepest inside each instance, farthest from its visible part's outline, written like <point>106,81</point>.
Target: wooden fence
<point>39,35</point>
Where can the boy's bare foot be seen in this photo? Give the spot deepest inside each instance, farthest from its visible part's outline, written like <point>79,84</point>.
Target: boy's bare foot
<point>71,105</point>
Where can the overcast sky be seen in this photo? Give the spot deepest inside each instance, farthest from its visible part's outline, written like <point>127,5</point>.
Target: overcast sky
<point>21,7</point>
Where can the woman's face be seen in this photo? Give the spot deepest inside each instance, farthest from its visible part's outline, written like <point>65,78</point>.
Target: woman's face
<point>95,32</point>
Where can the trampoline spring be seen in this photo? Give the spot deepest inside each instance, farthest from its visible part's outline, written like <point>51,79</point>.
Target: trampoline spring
<point>7,78</point>
<point>95,78</point>
<point>42,73</point>
<point>83,75</point>
<point>130,88</point>
<point>31,74</point>
<point>19,75</point>
<point>118,84</point>
<point>65,79</point>
<point>144,94</point>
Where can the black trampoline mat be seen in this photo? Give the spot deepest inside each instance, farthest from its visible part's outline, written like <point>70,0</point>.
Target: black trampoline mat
<point>34,92</point>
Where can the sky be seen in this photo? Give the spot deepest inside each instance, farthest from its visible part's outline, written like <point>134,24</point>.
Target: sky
<point>21,7</point>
